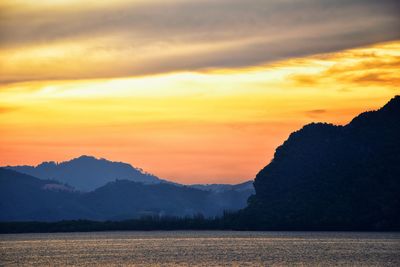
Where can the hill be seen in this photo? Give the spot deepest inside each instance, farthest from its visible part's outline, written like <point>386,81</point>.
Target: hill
<point>332,177</point>
<point>87,173</point>
<point>26,198</point>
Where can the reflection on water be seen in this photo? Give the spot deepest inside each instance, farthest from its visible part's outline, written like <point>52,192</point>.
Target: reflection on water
<point>202,248</point>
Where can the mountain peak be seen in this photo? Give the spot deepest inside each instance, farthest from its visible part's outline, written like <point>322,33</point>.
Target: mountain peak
<point>47,164</point>
<point>388,114</point>
<point>86,157</point>
<point>393,104</point>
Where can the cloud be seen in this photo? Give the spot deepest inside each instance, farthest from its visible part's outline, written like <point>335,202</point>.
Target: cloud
<point>72,41</point>
<point>371,66</point>
<point>315,113</point>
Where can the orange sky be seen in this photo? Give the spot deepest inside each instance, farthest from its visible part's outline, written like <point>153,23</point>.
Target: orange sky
<point>188,108</point>
<point>211,126</point>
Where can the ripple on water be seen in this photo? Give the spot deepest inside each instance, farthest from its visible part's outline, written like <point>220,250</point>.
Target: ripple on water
<point>202,248</point>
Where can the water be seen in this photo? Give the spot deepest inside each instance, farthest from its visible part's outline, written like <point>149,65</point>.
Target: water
<point>202,248</point>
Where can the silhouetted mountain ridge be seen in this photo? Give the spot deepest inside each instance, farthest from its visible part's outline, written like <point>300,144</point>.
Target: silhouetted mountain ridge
<point>87,173</point>
<point>333,176</point>
<point>26,198</point>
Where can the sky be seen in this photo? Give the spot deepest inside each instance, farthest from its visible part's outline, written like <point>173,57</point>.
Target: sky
<point>193,91</point>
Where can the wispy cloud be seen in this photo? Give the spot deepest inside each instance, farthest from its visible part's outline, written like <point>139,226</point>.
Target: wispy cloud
<point>371,66</point>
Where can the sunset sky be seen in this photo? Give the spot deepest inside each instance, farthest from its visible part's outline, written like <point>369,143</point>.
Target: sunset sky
<point>193,91</point>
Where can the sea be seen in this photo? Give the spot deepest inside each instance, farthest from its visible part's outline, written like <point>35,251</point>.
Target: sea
<point>201,248</point>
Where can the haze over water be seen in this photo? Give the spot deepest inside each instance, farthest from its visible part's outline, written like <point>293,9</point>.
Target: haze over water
<point>202,248</point>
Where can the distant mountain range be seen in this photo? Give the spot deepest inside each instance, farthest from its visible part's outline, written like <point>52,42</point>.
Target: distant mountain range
<point>25,198</point>
<point>99,189</point>
<point>87,173</point>
<point>332,177</point>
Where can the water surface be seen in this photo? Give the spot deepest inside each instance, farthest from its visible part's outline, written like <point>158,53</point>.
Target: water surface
<point>202,248</point>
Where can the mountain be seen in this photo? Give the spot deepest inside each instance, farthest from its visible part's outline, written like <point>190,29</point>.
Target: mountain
<point>124,199</point>
<point>87,173</point>
<point>23,197</point>
<point>26,198</point>
<point>333,177</point>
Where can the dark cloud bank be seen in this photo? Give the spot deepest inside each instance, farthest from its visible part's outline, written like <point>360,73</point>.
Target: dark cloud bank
<point>254,31</point>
